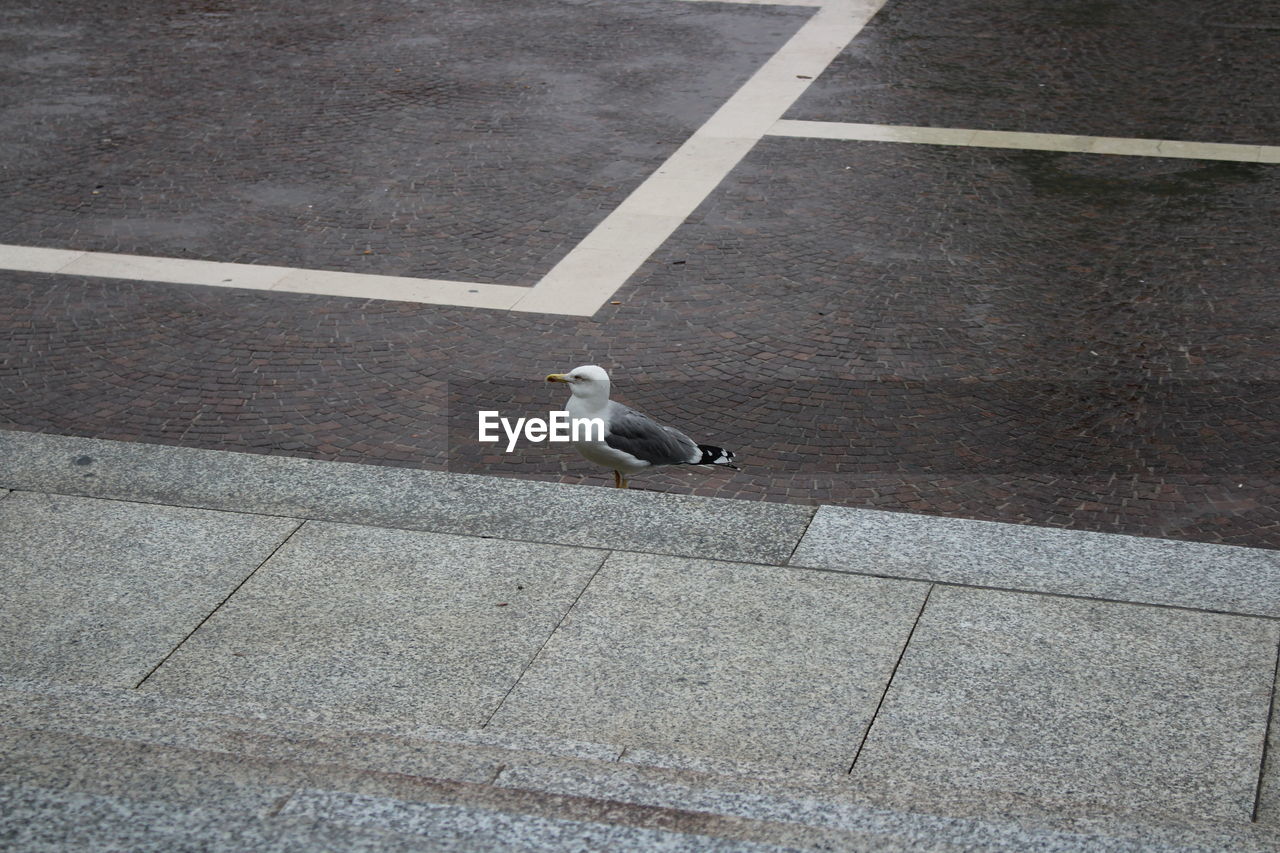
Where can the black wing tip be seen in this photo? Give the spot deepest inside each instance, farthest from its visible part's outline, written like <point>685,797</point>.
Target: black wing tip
<point>712,455</point>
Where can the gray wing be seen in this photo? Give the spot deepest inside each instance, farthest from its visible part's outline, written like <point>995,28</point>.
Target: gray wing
<point>646,439</point>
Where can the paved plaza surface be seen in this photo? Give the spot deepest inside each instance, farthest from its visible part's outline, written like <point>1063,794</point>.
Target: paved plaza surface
<point>982,294</point>
<point>228,651</point>
<point>1052,302</point>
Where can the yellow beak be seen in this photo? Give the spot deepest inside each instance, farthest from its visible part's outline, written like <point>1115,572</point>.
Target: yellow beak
<point>557,377</point>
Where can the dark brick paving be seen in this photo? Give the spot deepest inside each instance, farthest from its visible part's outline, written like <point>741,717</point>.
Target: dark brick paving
<point>463,139</point>
<point>1201,70</point>
<point>1061,339</point>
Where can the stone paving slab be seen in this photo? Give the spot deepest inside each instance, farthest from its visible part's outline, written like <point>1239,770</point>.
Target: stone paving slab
<point>130,756</point>
<point>101,591</point>
<point>1040,559</point>
<point>55,819</point>
<point>140,770</point>
<point>63,792</point>
<point>704,664</point>
<point>1269,791</point>
<point>430,500</point>
<point>216,726</point>
<point>51,820</point>
<point>1078,704</point>
<point>1163,69</point>
<point>384,624</point>
<point>795,811</point>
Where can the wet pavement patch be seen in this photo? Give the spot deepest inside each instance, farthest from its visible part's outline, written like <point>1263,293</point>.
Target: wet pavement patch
<point>1161,69</point>
<point>949,330</point>
<point>447,140</point>
<point>1068,339</point>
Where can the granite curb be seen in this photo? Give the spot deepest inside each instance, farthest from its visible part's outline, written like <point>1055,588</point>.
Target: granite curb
<point>551,513</point>
<point>388,774</point>
<point>768,579</point>
<point>963,552</point>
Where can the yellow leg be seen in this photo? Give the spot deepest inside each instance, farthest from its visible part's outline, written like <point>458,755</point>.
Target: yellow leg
<point>619,481</point>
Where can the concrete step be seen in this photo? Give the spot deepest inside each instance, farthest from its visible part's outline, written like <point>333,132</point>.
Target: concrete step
<point>102,768</point>
<point>370,646</point>
<point>1142,570</point>
<point>61,819</point>
<point>64,791</point>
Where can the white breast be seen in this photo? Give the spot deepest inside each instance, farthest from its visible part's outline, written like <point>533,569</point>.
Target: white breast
<point>597,451</point>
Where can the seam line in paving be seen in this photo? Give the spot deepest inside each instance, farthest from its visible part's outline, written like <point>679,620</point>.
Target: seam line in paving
<point>301,523</point>
<point>1072,596</point>
<point>803,533</point>
<point>1266,740</point>
<point>962,137</point>
<point>866,733</point>
<point>550,634</point>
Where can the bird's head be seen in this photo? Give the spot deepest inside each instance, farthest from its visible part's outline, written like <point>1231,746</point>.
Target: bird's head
<point>590,380</point>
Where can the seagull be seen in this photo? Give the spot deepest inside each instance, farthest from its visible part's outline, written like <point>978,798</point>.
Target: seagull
<point>632,442</point>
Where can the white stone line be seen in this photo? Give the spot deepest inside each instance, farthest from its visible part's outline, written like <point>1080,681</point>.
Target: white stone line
<point>765,2</point>
<point>1032,141</point>
<point>258,277</point>
<point>596,268</point>
<point>593,271</point>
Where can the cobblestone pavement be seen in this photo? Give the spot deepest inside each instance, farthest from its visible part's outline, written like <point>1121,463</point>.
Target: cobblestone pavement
<point>460,139</point>
<point>1162,69</point>
<point>1067,339</point>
